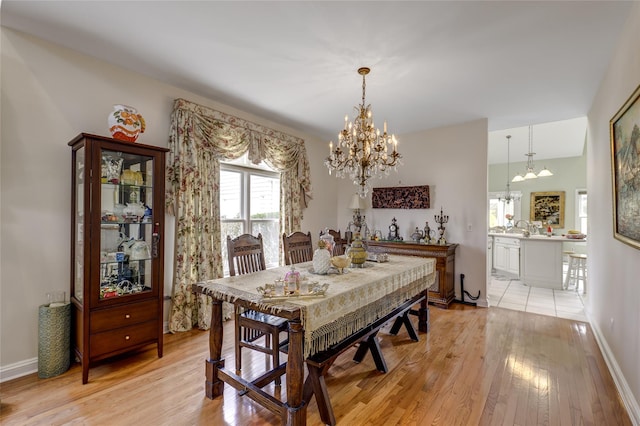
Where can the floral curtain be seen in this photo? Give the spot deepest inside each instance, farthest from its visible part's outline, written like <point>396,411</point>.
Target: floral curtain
<point>199,139</point>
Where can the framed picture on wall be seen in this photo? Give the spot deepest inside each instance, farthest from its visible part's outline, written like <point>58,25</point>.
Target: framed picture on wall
<point>548,208</point>
<point>624,129</point>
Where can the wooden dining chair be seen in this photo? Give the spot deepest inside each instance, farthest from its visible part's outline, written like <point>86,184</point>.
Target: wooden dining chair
<point>340,244</point>
<point>298,247</point>
<point>246,256</point>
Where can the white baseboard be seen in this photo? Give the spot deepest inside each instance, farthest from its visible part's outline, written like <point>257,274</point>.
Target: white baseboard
<point>621,383</point>
<point>482,302</point>
<point>29,366</point>
<point>18,369</point>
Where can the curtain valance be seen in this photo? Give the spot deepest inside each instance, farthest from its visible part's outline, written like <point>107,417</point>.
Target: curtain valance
<point>196,128</point>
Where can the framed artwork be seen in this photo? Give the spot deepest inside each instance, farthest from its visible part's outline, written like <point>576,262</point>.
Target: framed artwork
<point>401,197</point>
<point>625,166</point>
<point>548,208</point>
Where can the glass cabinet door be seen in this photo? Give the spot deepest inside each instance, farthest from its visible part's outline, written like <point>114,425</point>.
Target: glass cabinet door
<point>127,235</point>
<point>79,222</point>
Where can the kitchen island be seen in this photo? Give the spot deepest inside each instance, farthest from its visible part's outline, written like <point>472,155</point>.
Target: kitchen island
<point>540,258</point>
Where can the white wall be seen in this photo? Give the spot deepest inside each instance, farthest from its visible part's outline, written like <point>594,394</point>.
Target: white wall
<point>49,95</point>
<point>453,162</point>
<point>613,304</point>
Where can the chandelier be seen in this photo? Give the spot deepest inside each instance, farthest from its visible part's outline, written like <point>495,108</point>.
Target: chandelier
<point>361,151</point>
<point>508,196</point>
<point>531,174</point>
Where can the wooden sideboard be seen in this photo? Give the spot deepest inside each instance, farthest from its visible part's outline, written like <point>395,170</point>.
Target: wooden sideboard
<point>442,292</point>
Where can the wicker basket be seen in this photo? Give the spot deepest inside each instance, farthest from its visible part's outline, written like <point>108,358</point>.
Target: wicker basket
<point>54,340</point>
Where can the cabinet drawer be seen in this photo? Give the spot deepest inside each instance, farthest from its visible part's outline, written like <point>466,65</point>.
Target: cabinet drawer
<point>122,338</point>
<point>122,316</point>
<point>509,242</point>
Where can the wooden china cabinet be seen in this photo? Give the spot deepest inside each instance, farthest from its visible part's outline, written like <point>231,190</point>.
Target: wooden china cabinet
<point>442,292</point>
<point>117,224</point>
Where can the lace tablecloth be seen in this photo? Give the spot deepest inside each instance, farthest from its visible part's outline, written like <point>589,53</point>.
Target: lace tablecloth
<point>353,300</point>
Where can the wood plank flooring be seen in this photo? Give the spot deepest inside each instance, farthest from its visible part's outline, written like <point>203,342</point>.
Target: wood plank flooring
<point>476,367</point>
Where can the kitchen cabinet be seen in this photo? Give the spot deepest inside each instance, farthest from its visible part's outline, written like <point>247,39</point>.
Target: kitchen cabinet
<point>117,225</point>
<point>542,262</point>
<point>506,255</point>
<point>490,255</point>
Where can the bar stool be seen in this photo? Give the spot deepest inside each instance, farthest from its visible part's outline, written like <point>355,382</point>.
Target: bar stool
<point>577,272</point>
<point>565,255</point>
<point>565,262</point>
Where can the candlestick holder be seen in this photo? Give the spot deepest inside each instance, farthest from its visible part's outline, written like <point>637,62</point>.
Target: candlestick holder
<point>429,233</point>
<point>441,220</point>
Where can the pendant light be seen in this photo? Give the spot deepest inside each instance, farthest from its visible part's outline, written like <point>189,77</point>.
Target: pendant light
<point>530,173</point>
<point>508,196</point>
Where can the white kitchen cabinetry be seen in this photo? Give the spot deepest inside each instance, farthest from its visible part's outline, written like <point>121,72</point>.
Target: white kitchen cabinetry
<point>506,255</point>
<point>535,260</point>
<point>542,262</point>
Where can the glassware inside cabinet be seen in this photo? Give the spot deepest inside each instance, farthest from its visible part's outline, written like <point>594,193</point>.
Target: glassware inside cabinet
<point>126,224</point>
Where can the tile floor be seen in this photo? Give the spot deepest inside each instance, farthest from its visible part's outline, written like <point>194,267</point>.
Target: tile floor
<point>505,292</point>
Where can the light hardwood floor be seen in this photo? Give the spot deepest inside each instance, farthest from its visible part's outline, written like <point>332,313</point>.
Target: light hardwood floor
<point>476,367</point>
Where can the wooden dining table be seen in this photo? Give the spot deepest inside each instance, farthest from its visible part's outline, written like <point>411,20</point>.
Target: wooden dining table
<point>353,300</point>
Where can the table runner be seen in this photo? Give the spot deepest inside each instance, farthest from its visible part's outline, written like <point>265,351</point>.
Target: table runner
<point>353,300</point>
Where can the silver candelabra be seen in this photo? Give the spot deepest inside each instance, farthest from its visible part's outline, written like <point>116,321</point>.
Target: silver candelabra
<point>441,220</point>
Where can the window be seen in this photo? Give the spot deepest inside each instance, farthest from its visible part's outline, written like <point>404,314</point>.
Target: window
<point>250,203</point>
<point>581,211</point>
<point>498,209</point>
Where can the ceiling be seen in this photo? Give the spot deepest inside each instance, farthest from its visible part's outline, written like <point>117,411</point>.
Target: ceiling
<point>432,64</point>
